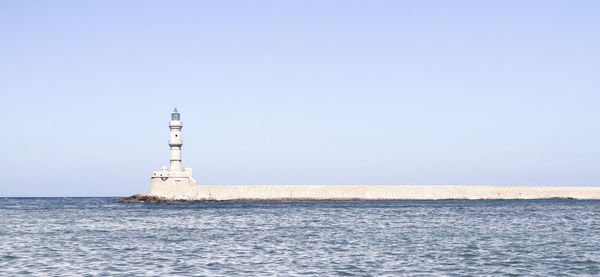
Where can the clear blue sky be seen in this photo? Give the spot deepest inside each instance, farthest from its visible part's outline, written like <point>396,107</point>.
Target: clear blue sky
<point>298,92</point>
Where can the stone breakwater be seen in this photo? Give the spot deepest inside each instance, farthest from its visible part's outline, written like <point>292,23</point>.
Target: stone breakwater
<point>192,192</point>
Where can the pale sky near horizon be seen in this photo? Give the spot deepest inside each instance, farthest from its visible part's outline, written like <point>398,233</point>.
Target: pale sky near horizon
<point>298,92</point>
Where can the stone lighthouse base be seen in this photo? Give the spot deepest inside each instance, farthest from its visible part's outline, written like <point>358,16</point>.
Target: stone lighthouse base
<point>175,188</point>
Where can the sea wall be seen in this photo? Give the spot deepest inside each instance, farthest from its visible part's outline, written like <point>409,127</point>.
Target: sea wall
<point>189,191</point>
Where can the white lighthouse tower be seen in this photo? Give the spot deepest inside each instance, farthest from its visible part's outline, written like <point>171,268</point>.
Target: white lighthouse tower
<point>175,141</point>
<point>167,180</point>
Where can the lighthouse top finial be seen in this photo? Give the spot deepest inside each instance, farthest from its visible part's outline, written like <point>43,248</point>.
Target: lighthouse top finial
<point>175,110</point>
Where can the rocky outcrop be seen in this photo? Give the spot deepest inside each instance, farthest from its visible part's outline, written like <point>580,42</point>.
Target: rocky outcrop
<point>148,198</point>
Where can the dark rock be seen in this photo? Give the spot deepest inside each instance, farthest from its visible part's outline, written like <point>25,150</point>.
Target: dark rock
<point>148,198</point>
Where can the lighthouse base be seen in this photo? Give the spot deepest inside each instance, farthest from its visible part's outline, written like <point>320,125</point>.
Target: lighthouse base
<point>183,188</point>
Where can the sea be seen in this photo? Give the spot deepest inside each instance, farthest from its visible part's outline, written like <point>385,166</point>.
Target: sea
<point>99,237</point>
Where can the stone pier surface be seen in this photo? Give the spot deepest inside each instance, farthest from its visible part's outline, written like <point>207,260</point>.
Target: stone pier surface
<point>191,192</point>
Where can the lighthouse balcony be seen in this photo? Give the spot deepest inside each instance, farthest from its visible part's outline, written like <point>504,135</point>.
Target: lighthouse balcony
<point>185,173</point>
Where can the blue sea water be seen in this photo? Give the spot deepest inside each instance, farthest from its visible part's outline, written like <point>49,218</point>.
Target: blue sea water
<point>96,236</point>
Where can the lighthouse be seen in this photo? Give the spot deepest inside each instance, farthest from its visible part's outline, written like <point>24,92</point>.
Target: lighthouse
<point>176,175</point>
<point>175,141</point>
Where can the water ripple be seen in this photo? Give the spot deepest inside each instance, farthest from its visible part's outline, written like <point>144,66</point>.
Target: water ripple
<point>95,236</point>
